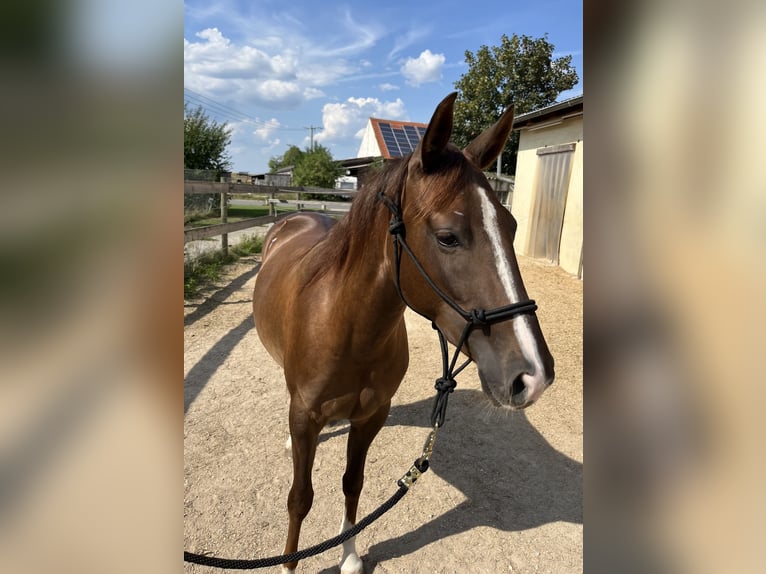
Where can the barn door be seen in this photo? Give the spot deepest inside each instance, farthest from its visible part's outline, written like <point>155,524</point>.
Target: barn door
<point>554,166</point>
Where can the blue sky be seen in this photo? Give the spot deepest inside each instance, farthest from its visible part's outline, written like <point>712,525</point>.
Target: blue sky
<point>273,68</point>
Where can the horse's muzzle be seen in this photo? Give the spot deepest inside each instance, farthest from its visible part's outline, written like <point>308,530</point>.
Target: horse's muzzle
<point>526,389</point>
<point>519,391</point>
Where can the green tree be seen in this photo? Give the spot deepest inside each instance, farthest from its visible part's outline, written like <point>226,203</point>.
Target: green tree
<point>291,157</point>
<point>205,142</point>
<point>521,71</point>
<point>316,167</point>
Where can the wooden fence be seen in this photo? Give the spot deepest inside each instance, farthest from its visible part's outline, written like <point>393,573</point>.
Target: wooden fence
<point>274,198</point>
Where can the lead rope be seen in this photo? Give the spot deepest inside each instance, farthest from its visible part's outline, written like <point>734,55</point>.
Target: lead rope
<point>406,482</point>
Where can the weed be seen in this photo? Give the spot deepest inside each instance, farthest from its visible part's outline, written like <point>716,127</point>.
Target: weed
<point>206,268</point>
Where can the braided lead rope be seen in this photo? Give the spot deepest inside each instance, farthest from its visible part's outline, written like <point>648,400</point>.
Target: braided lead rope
<point>421,465</point>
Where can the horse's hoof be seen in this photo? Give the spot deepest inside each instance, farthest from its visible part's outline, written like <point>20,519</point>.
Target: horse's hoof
<point>352,565</point>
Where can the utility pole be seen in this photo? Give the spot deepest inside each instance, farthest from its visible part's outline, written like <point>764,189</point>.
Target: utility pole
<point>311,129</point>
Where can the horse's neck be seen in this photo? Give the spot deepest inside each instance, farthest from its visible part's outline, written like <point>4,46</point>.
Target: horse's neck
<point>368,281</point>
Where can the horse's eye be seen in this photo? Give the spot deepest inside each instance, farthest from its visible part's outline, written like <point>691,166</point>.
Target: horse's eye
<point>447,239</point>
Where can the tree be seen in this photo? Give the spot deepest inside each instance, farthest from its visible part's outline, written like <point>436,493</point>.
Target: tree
<point>310,167</point>
<point>521,71</point>
<point>205,142</point>
<point>316,167</point>
<point>291,157</point>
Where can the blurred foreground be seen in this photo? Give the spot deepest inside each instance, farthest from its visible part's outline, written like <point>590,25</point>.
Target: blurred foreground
<point>676,206</point>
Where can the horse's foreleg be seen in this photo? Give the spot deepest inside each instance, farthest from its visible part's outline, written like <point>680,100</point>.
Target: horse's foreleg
<point>304,432</point>
<point>359,439</point>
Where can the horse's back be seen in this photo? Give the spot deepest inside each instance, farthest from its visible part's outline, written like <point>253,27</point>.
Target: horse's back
<point>280,279</point>
<point>296,233</point>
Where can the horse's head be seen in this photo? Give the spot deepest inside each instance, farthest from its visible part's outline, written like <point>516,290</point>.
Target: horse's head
<point>463,238</point>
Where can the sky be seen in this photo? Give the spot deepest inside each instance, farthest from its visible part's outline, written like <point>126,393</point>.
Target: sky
<point>273,69</point>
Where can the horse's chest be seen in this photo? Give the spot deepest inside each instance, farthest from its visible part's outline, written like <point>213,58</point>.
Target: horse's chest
<point>354,405</point>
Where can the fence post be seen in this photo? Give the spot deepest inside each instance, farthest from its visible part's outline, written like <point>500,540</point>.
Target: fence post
<point>272,205</point>
<point>224,219</point>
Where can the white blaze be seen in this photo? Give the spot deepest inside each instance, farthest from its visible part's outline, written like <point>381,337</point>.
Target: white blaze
<point>489,215</point>
<point>521,324</point>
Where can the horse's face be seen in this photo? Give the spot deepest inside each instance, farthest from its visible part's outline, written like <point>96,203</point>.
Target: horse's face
<point>463,237</point>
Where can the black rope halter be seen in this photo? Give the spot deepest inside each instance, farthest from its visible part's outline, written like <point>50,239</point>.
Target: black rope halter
<point>473,318</point>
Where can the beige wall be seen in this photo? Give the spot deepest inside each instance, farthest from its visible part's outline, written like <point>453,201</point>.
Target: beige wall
<point>369,146</point>
<point>568,131</point>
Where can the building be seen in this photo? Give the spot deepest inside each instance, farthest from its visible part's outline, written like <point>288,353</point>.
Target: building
<point>390,138</point>
<point>548,194</point>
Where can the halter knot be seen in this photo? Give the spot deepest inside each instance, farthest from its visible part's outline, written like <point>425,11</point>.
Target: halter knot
<point>445,385</point>
<point>478,316</point>
<point>396,227</point>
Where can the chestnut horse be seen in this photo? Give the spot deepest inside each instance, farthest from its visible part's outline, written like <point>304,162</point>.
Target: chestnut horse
<point>330,297</point>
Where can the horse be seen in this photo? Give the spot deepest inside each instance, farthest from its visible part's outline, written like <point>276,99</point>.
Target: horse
<point>330,297</point>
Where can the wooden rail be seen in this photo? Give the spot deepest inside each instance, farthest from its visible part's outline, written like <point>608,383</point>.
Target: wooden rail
<point>198,187</point>
<point>325,206</point>
<point>220,228</point>
<point>225,189</point>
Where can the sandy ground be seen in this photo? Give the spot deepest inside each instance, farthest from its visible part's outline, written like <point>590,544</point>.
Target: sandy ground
<point>505,490</point>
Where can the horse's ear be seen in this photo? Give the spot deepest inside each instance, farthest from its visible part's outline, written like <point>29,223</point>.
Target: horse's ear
<point>437,134</point>
<point>484,150</point>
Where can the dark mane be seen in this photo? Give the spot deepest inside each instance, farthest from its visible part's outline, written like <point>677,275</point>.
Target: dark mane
<point>351,234</point>
<point>349,239</point>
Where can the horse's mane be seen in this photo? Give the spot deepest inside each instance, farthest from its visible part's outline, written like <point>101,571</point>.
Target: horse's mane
<point>348,239</point>
<point>350,235</point>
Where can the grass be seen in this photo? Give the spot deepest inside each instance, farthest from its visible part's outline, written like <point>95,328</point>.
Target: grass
<point>237,213</point>
<point>206,269</point>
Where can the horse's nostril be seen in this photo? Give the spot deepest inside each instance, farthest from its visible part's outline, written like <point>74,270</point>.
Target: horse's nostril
<point>518,386</point>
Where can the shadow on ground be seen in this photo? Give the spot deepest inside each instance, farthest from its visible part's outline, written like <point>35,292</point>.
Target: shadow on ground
<point>512,478</point>
<point>199,375</point>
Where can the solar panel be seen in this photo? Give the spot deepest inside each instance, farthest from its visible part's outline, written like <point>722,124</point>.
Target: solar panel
<point>400,140</point>
<point>412,136</point>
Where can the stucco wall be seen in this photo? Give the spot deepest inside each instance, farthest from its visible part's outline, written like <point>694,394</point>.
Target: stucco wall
<point>570,130</point>
<point>369,146</point>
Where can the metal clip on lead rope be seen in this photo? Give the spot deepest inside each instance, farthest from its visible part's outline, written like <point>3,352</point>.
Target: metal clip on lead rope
<point>422,463</point>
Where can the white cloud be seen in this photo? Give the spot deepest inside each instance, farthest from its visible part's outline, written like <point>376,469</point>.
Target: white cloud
<point>273,75</point>
<point>267,129</point>
<point>348,119</point>
<point>263,130</point>
<point>424,69</point>
<point>386,87</point>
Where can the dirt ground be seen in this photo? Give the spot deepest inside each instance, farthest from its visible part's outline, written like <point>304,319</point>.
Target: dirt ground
<point>504,493</point>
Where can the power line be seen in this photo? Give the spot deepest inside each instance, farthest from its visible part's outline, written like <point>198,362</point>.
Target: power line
<point>223,111</point>
<point>220,110</point>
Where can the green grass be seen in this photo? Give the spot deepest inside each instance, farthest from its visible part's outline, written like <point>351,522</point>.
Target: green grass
<point>237,213</point>
<point>206,269</point>
<point>247,211</point>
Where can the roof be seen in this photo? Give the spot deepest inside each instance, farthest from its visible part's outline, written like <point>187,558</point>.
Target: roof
<point>396,138</point>
<point>568,107</point>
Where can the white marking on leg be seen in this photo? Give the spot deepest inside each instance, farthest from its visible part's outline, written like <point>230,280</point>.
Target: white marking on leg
<point>350,563</point>
<point>286,570</point>
<point>289,443</point>
<point>521,323</point>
